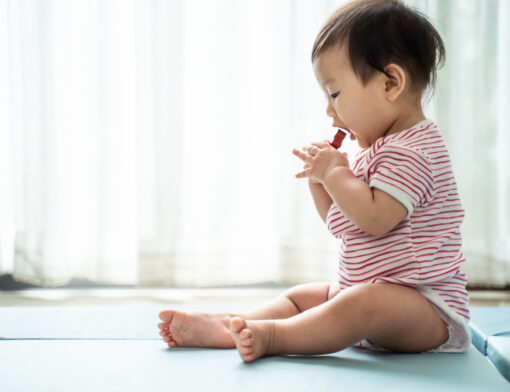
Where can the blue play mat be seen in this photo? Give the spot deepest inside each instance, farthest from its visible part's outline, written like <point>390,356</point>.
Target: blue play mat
<point>490,327</point>
<point>117,348</point>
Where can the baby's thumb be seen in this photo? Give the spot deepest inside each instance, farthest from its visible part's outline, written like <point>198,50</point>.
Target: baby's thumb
<point>345,154</point>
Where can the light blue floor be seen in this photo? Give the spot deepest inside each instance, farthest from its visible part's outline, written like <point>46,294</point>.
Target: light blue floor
<point>127,355</point>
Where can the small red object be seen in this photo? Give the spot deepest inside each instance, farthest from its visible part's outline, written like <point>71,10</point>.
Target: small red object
<point>338,139</point>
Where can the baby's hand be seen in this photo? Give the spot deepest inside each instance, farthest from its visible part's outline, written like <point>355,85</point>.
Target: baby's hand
<point>319,158</point>
<point>307,165</point>
<point>311,179</point>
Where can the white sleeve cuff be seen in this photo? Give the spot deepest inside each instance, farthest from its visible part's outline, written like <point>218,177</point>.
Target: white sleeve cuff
<point>395,193</point>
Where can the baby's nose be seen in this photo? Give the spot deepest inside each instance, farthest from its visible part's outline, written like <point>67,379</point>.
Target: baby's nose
<point>330,111</point>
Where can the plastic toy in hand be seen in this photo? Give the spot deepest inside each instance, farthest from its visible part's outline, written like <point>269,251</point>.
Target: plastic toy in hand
<point>338,139</point>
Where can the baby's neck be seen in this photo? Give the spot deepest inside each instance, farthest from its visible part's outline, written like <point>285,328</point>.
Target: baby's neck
<point>406,119</point>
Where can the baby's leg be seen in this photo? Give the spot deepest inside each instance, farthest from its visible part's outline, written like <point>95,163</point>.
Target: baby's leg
<point>392,316</point>
<point>294,301</point>
<point>201,329</point>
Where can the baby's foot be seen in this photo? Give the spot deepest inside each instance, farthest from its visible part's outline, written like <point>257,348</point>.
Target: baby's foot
<point>195,329</point>
<point>253,339</point>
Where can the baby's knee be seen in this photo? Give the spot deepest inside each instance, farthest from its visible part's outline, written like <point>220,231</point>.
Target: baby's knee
<point>333,290</point>
<point>318,291</point>
<point>368,300</point>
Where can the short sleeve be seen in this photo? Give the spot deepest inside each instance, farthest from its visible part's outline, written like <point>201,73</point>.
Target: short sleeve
<point>403,173</point>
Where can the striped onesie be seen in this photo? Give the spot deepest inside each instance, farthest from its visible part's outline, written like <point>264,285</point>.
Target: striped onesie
<point>422,251</point>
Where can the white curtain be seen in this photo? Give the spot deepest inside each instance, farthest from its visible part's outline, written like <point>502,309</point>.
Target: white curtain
<point>473,108</point>
<point>148,142</point>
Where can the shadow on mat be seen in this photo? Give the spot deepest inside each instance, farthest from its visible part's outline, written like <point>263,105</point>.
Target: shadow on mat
<point>418,366</point>
<point>322,360</point>
<point>387,364</point>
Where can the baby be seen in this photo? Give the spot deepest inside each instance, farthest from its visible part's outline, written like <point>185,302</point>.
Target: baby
<point>395,209</point>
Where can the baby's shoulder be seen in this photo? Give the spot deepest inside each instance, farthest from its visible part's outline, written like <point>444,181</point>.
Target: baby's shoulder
<point>397,156</point>
<point>397,150</point>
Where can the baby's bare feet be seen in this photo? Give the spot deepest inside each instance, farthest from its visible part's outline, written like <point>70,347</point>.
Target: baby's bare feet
<point>194,329</point>
<point>253,339</point>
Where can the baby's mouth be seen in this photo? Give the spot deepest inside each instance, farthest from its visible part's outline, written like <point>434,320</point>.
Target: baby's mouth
<point>348,132</point>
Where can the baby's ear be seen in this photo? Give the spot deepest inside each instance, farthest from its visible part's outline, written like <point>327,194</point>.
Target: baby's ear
<point>395,81</point>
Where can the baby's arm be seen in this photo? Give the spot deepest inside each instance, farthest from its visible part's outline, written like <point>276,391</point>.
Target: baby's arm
<point>330,179</point>
<point>321,198</point>
<point>371,209</point>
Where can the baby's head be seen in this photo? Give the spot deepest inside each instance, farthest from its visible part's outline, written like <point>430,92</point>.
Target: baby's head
<point>374,59</point>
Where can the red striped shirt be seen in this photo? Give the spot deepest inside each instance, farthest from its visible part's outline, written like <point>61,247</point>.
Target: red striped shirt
<point>413,166</point>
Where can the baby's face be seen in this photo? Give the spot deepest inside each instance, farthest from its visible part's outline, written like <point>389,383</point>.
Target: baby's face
<point>362,110</point>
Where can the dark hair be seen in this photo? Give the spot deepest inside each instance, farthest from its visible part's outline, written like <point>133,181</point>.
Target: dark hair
<point>380,32</point>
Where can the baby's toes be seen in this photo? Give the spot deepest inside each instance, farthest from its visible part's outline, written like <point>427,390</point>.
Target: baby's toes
<point>248,357</point>
<point>246,338</point>
<point>245,334</point>
<point>170,340</point>
<point>172,343</point>
<point>246,350</point>
<point>164,330</point>
<point>247,342</point>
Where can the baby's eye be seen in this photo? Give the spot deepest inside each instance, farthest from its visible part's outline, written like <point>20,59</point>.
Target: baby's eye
<point>334,95</point>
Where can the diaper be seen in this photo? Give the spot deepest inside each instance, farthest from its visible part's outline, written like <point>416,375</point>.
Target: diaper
<point>459,338</point>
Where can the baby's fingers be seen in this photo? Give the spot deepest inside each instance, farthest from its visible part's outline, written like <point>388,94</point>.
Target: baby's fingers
<point>301,155</point>
<point>322,144</point>
<point>303,174</point>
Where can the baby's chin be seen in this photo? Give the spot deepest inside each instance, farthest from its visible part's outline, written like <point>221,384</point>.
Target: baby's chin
<point>362,143</point>
<point>349,133</point>
<point>352,136</point>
